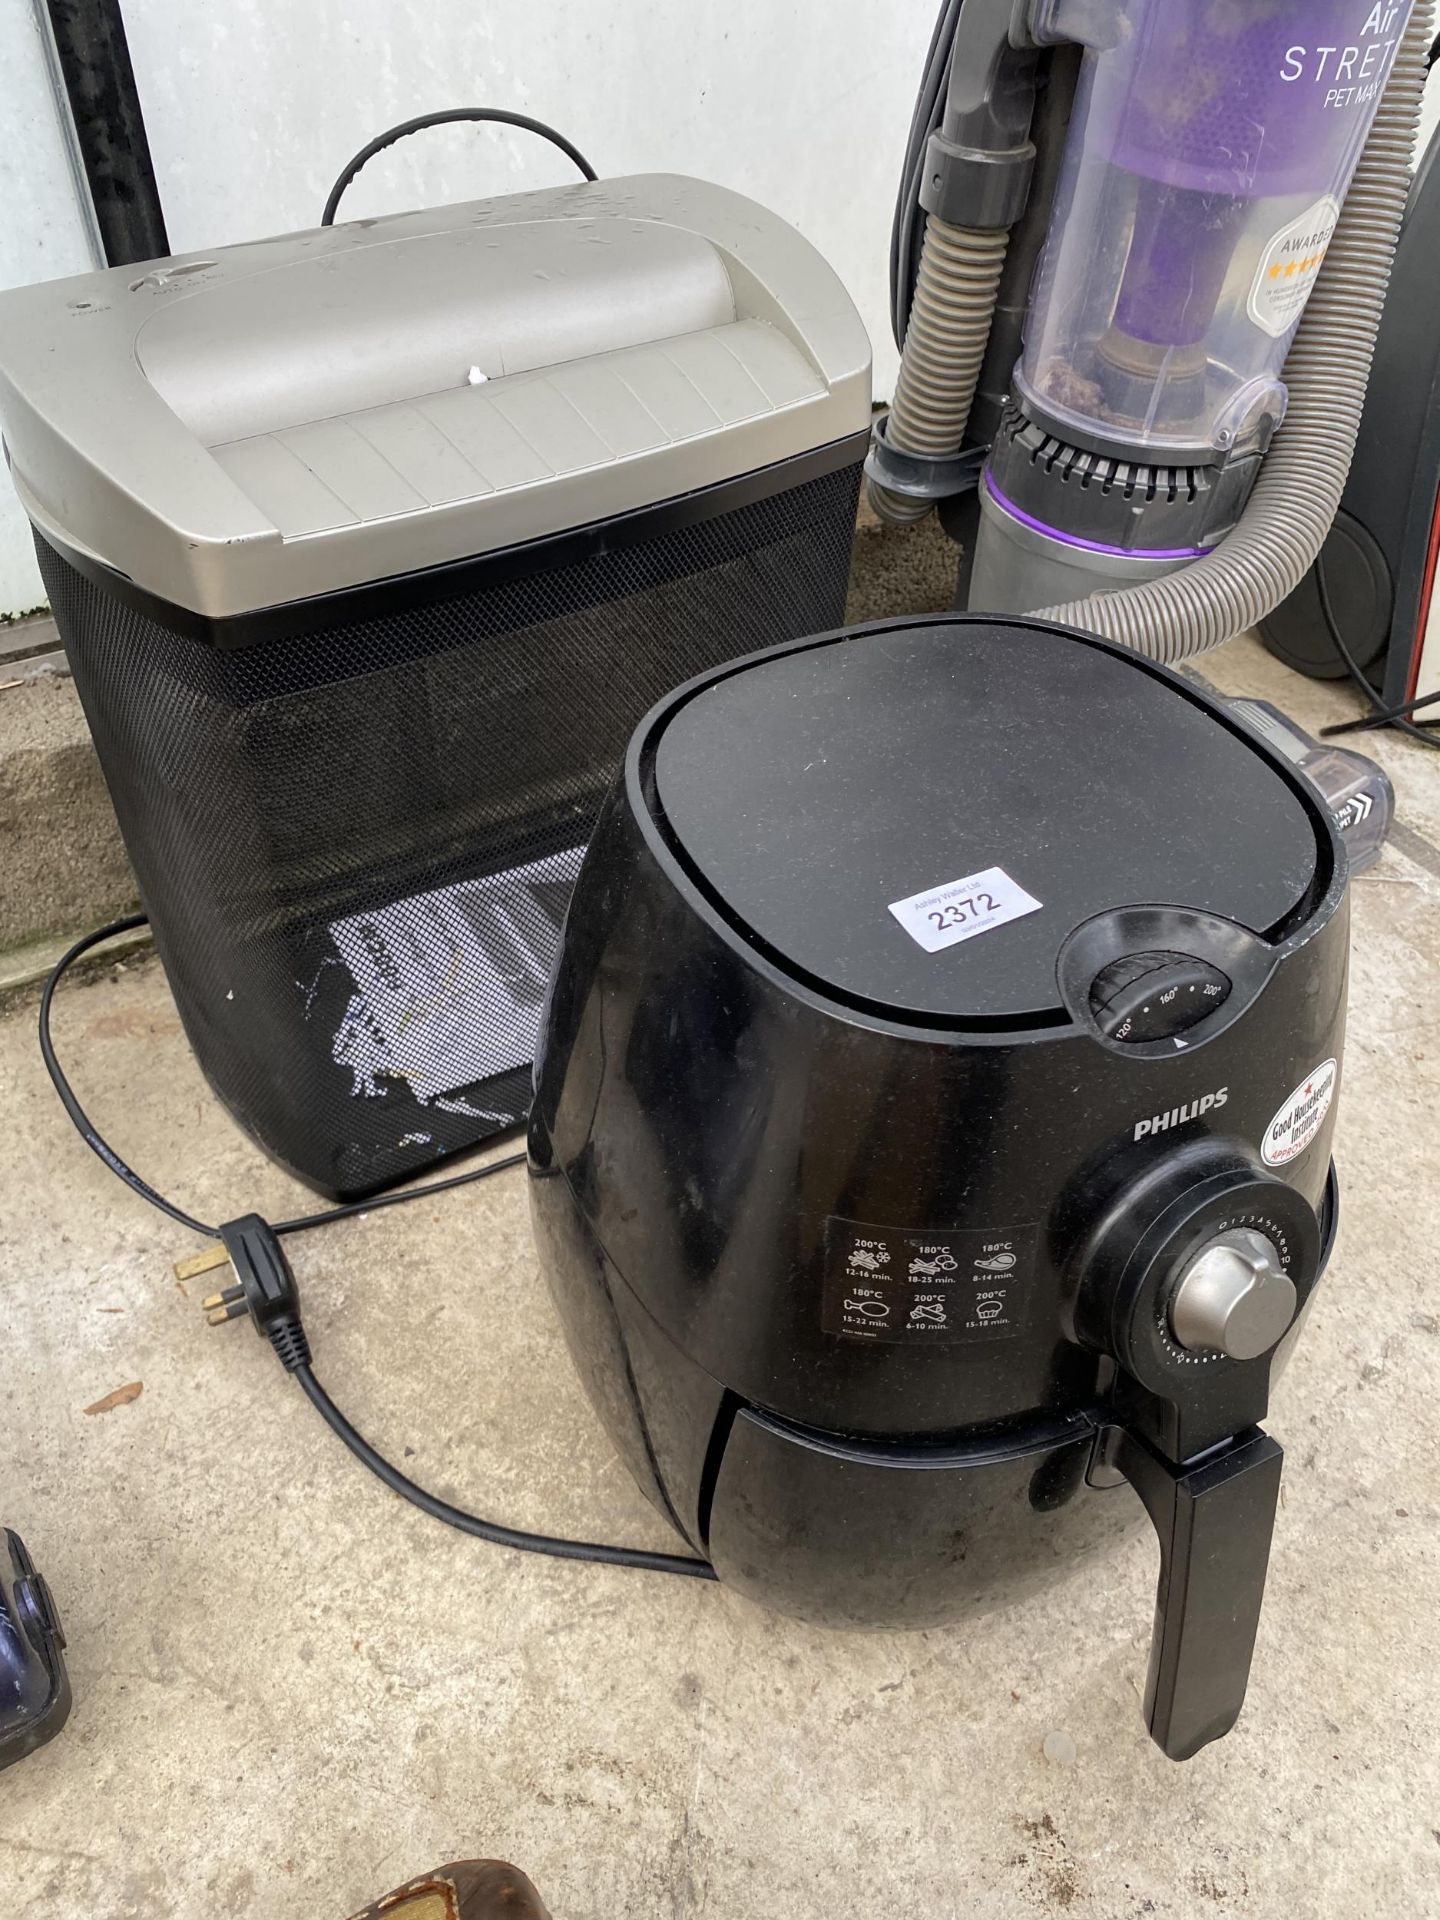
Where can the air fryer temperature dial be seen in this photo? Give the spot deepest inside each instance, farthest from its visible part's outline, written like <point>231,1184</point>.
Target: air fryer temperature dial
<point>1234,1297</point>
<point>1149,996</point>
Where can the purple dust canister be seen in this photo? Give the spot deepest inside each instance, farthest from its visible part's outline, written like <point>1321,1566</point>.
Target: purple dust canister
<point>1211,145</point>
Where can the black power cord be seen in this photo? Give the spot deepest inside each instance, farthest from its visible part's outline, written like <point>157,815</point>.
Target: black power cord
<point>497,1535</point>
<point>1386,716</point>
<point>446,117</point>
<point>264,1290</point>
<point>1397,717</point>
<point>78,1116</point>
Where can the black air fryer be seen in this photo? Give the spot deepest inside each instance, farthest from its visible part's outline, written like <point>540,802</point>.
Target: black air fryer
<point>932,1127</point>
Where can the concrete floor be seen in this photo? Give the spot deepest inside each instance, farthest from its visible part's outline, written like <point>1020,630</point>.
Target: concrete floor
<point>292,1691</point>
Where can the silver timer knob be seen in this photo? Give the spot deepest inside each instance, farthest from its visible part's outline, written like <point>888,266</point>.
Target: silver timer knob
<point>1234,1297</point>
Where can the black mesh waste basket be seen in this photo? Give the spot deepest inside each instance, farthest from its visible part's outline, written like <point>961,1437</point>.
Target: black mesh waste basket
<point>356,807</point>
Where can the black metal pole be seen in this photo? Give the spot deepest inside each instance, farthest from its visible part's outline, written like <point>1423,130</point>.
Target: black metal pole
<point>95,65</point>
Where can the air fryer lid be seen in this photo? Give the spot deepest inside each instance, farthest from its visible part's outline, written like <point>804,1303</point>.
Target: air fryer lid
<point>812,789</point>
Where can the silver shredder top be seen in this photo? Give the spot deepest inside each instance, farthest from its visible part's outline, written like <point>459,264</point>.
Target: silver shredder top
<point>238,429</point>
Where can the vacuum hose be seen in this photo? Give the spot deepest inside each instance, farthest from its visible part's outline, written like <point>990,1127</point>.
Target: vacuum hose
<point>945,341</point>
<point>1298,491</point>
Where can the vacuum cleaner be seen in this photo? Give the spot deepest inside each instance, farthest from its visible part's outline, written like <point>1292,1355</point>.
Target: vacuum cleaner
<point>1140,258</point>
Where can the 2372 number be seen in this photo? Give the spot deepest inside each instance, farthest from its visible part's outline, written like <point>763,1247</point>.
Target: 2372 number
<point>960,912</point>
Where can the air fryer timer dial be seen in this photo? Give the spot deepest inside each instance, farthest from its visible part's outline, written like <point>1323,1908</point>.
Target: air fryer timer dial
<point>1189,1281</point>
<point>1234,1297</point>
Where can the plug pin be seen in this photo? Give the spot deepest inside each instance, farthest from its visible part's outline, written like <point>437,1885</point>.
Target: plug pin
<point>198,1263</point>
<point>224,1299</point>
<point>217,1316</point>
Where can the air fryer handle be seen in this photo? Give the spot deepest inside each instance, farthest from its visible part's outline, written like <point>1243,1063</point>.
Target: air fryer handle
<point>1214,1519</point>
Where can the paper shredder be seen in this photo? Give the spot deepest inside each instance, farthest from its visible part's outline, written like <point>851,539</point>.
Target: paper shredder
<point>368,547</point>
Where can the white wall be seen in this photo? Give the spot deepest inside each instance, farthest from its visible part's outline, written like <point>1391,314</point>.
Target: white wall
<point>42,236</point>
<point>253,107</point>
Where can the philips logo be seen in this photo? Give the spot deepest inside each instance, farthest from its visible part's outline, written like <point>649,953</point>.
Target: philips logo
<point>1177,1116</point>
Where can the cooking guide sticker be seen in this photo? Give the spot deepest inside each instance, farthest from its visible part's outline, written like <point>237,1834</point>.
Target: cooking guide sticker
<point>943,916</point>
<point>1298,1121</point>
<point>926,1288</point>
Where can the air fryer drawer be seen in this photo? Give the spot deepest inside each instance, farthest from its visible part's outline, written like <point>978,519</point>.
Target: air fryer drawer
<point>899,1536</point>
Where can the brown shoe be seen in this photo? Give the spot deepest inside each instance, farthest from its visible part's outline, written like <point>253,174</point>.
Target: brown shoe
<point>465,1890</point>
